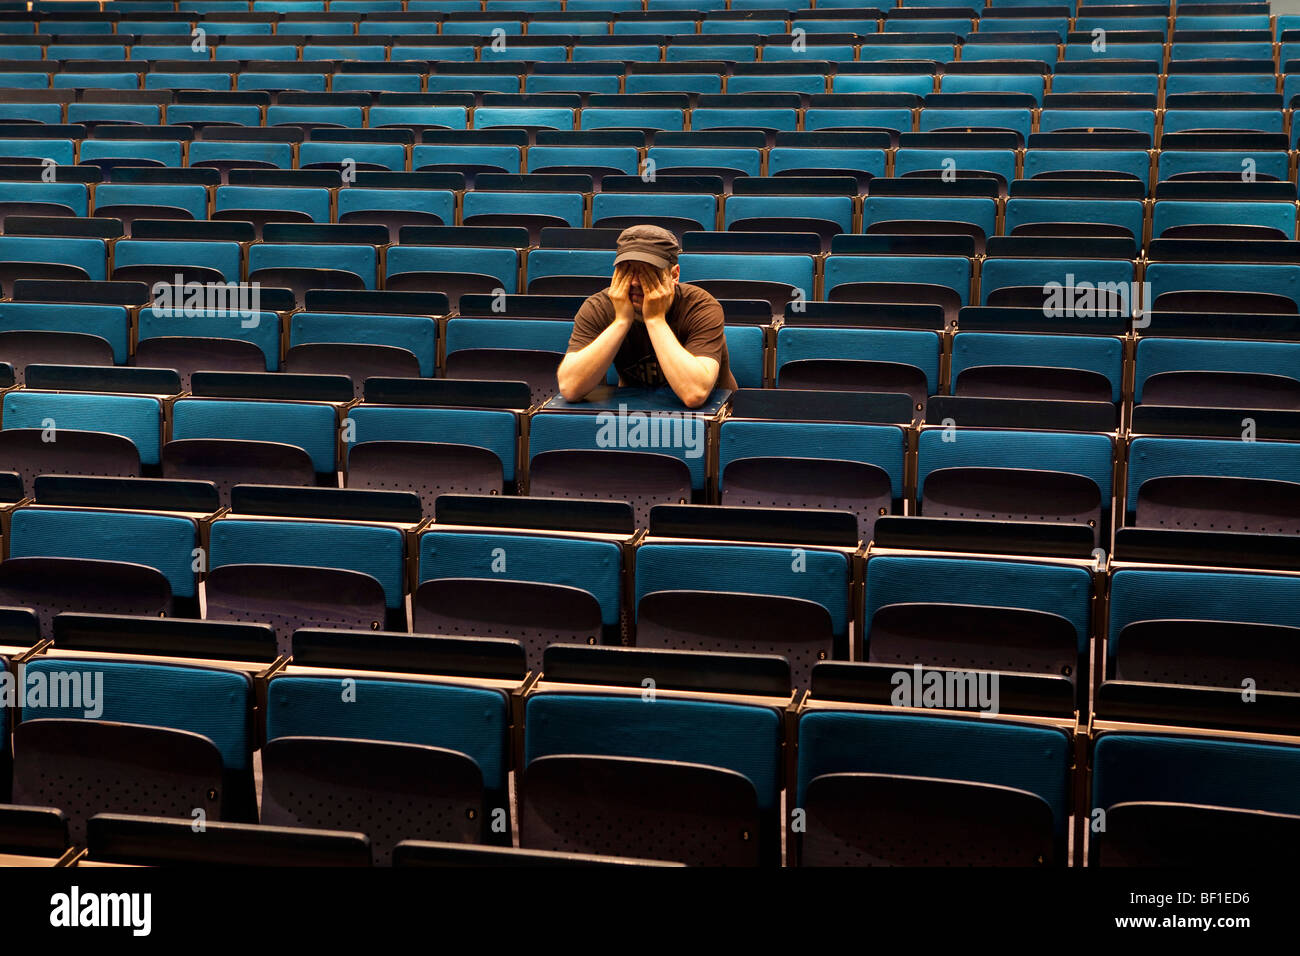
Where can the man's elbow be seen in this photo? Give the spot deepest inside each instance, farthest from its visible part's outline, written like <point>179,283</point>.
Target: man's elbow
<point>694,397</point>
<point>567,383</point>
<point>568,391</point>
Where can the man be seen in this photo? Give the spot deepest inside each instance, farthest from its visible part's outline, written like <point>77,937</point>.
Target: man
<point>655,329</point>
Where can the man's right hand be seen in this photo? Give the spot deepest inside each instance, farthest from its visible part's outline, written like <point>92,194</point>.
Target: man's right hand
<point>620,293</point>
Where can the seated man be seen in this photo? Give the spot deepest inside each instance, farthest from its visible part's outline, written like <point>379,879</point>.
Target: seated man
<point>657,331</point>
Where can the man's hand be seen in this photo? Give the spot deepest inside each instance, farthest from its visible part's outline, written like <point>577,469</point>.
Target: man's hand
<point>658,294</point>
<point>620,293</point>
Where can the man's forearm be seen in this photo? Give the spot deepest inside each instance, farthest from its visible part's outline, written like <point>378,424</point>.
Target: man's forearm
<point>583,370</point>
<point>691,377</point>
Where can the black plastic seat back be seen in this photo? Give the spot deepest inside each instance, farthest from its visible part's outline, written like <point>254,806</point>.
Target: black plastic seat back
<point>94,454</point>
<point>22,348</point>
<point>1013,494</point>
<point>1209,654</point>
<point>856,375</point>
<point>1212,503</point>
<point>836,484</point>
<point>624,806</point>
<point>50,586</point>
<point>1187,835</point>
<point>866,819</point>
<point>189,355</point>
<point>85,767</point>
<point>228,462</point>
<point>537,367</point>
<point>163,841</point>
<point>289,597</point>
<point>388,791</point>
<point>357,361</point>
<point>973,637</point>
<point>537,615</point>
<point>644,479</point>
<point>427,468</point>
<point>736,623</point>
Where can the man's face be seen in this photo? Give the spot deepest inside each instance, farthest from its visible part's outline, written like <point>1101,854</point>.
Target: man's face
<point>640,273</point>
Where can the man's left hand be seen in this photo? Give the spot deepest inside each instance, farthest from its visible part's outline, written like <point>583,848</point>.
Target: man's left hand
<point>657,290</point>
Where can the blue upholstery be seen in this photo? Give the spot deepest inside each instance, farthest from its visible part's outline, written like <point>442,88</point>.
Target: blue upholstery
<point>792,269</point>
<point>569,262</point>
<point>1076,454</point>
<point>1142,595</point>
<point>1066,591</point>
<point>624,159</point>
<point>450,116</point>
<point>1221,773</point>
<point>134,417</point>
<point>951,271</point>
<point>72,195</point>
<point>222,256</point>
<point>1142,121</point>
<point>361,260</point>
<point>1126,213</point>
<point>1000,161</point>
<point>1175,161</point>
<point>811,574</point>
<point>193,199</point>
<point>836,209</point>
<point>593,566</point>
<point>1156,457</point>
<point>880,445</point>
<point>1094,353</point>
<point>88,254</point>
<point>464,332</point>
<point>976,211</point>
<point>566,206</point>
<point>1173,212</point>
<point>370,549</point>
<point>701,208</point>
<point>163,542</point>
<point>606,117</point>
<point>1156,355</point>
<point>560,431</point>
<point>502,264</point>
<point>310,426</point>
<point>1131,161</point>
<point>471,720</point>
<point>209,701</point>
<point>415,333</point>
<point>781,158</point>
<point>1000,273</point>
<point>745,355</point>
<point>920,349</point>
<point>746,161</point>
<point>495,431</point>
<point>743,738</point>
<point>439,202</point>
<point>109,322</point>
<point>1036,759</point>
<point>314,202</point>
<point>265,333</point>
<point>1276,278</point>
<point>279,155</point>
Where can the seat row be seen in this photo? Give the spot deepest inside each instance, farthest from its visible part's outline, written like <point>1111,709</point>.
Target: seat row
<point>843,773</point>
<point>828,206</point>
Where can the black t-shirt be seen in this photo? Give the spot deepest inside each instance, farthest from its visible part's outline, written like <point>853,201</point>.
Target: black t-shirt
<point>695,317</point>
